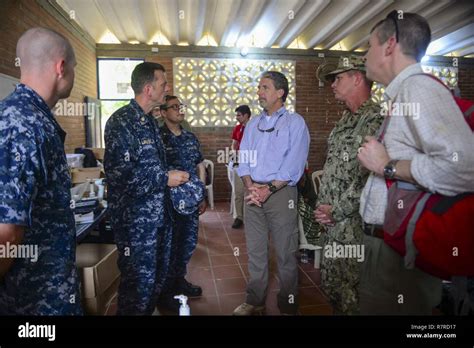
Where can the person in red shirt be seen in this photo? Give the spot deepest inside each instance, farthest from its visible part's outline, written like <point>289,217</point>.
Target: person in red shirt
<point>242,115</point>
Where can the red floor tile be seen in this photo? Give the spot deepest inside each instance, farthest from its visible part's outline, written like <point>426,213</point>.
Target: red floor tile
<point>208,287</point>
<point>315,276</point>
<point>311,296</point>
<point>213,242</point>
<point>273,283</point>
<point>316,310</point>
<point>197,274</point>
<point>220,250</point>
<point>225,272</point>
<point>245,269</point>
<point>304,280</point>
<point>223,260</point>
<point>271,304</point>
<point>231,286</point>
<point>236,238</point>
<point>199,261</point>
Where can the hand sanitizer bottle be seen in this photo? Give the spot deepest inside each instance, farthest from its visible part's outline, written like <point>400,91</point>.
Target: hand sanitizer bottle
<point>184,309</point>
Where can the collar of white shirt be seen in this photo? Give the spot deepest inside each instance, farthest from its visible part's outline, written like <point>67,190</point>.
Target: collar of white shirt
<point>394,87</point>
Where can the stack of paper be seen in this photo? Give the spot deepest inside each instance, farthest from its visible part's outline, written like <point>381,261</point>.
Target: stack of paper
<point>84,218</point>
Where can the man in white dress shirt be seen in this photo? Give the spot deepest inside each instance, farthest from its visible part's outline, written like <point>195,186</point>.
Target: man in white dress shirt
<point>426,142</point>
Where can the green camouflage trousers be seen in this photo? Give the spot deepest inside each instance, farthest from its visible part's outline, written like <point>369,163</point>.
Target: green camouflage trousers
<point>340,280</point>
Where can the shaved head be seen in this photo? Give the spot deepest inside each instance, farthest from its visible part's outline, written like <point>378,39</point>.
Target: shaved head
<point>47,64</point>
<point>38,48</point>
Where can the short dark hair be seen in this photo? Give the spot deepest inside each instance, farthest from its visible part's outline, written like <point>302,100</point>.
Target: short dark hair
<point>164,106</point>
<point>414,33</point>
<point>279,81</point>
<point>144,73</point>
<point>244,109</point>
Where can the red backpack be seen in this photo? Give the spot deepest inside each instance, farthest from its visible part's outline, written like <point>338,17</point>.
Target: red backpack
<point>437,232</point>
<point>467,108</point>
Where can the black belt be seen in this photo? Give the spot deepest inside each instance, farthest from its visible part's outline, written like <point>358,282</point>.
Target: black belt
<point>374,230</point>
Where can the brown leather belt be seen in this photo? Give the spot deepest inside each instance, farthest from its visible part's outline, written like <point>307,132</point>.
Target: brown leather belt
<point>373,230</point>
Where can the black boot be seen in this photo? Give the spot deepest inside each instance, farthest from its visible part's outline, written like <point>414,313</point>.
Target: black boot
<point>237,223</point>
<point>182,286</point>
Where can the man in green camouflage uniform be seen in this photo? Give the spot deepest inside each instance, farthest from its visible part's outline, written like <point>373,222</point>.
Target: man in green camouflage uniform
<point>337,206</point>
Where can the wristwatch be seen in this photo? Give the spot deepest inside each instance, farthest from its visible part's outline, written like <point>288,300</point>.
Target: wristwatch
<point>389,170</point>
<point>272,187</point>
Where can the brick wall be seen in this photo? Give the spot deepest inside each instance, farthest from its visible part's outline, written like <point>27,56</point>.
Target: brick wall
<point>466,82</point>
<point>17,16</point>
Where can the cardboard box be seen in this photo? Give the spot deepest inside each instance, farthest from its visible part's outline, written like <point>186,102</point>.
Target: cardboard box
<point>98,305</point>
<point>99,273</point>
<point>80,175</point>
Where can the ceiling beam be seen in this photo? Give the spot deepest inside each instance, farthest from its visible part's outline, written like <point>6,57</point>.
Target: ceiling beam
<point>310,10</point>
<point>361,36</point>
<point>333,17</point>
<point>274,19</point>
<point>355,22</point>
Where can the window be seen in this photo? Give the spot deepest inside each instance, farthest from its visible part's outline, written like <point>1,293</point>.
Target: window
<point>114,77</point>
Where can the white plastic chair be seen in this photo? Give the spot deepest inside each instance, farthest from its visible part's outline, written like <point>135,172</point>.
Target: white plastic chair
<point>305,245</point>
<point>316,177</point>
<point>210,187</point>
<point>230,176</point>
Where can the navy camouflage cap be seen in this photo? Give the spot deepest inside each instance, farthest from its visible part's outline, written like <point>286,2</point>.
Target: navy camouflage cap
<point>346,63</point>
<point>187,197</point>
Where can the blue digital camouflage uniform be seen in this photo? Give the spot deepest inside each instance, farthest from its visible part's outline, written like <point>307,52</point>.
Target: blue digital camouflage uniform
<point>182,153</point>
<point>35,192</point>
<point>341,185</point>
<point>137,177</point>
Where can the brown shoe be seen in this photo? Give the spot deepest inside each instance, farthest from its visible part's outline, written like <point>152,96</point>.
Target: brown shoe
<point>247,309</point>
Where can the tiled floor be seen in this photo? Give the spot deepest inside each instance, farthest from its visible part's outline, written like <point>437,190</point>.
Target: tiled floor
<point>219,266</point>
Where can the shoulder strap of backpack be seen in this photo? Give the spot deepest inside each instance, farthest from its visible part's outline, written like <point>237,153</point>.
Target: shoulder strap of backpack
<point>469,112</point>
<point>411,251</point>
<point>434,78</point>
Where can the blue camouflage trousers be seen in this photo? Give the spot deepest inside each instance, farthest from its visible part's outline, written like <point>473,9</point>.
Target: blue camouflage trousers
<point>184,241</point>
<point>144,255</point>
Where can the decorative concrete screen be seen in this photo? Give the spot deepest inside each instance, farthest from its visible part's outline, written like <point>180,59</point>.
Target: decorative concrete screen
<point>213,88</point>
<point>449,75</point>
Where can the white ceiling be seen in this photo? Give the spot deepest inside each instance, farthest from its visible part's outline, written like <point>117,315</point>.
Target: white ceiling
<point>322,24</point>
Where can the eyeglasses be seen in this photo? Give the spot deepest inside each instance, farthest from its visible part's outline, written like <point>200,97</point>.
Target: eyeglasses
<point>176,107</point>
<point>394,17</point>
<point>270,129</point>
